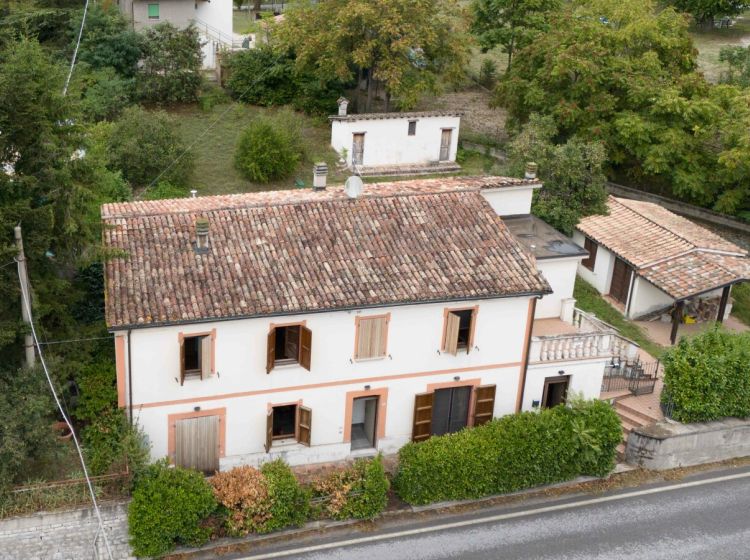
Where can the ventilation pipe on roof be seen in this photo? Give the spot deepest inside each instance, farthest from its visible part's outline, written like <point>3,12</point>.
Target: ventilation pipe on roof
<point>343,102</point>
<point>531,168</point>
<point>201,235</point>
<point>193,193</point>
<point>320,176</point>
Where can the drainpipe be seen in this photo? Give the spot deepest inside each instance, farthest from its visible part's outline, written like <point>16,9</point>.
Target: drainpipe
<point>630,294</point>
<point>529,329</point>
<point>130,381</point>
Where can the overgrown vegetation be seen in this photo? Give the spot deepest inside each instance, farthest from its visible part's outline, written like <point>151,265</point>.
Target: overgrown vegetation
<point>511,453</point>
<point>706,376</point>
<point>270,148</point>
<point>360,491</point>
<point>741,306</point>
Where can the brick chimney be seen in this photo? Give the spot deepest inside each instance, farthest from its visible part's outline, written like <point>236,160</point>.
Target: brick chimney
<point>320,176</point>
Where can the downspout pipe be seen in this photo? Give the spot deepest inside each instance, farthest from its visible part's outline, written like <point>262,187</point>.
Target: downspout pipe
<point>130,381</point>
<point>630,294</point>
<point>529,329</point>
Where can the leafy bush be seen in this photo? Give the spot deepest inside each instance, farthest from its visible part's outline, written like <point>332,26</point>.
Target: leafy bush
<point>164,189</point>
<point>270,148</point>
<point>144,144</point>
<point>290,504</point>
<point>105,94</point>
<point>171,65</point>
<point>243,491</point>
<point>108,41</point>
<point>168,507</point>
<point>488,73</point>
<point>261,76</point>
<point>360,491</point>
<point>511,453</point>
<point>706,376</point>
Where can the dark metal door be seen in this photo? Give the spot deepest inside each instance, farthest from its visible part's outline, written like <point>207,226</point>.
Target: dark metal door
<point>450,411</point>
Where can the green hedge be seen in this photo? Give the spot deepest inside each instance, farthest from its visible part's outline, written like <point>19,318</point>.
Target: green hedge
<point>511,453</point>
<point>707,376</point>
<point>290,503</point>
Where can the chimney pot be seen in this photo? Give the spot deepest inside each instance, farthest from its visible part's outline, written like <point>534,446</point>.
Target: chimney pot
<point>343,102</point>
<point>201,234</point>
<point>320,176</point>
<point>193,193</point>
<point>531,169</point>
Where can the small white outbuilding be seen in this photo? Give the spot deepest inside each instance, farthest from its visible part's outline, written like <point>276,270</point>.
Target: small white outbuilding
<point>396,143</point>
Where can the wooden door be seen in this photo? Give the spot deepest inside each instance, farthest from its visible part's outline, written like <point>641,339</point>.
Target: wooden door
<point>450,412</point>
<point>620,285</point>
<point>555,391</point>
<point>358,149</point>
<point>484,404</point>
<point>197,443</point>
<point>422,426</point>
<point>445,144</point>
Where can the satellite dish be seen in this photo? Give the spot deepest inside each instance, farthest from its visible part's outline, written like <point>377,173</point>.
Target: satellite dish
<point>353,186</point>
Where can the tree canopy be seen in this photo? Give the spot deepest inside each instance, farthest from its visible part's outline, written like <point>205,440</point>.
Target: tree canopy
<point>705,10</point>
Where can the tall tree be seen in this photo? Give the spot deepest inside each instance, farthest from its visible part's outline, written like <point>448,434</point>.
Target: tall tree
<point>405,46</point>
<point>704,11</point>
<point>512,24</point>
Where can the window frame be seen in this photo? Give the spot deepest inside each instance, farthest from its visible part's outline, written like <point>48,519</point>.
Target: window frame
<point>149,11</point>
<point>303,351</point>
<point>302,432</point>
<point>444,346</point>
<point>412,128</point>
<point>384,339</point>
<point>200,373</point>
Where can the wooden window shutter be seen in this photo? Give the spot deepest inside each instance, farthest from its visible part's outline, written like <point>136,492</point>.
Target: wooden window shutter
<point>205,357</point>
<point>305,347</point>
<point>269,430</point>
<point>591,247</point>
<point>371,337</point>
<point>304,425</point>
<point>182,360</point>
<point>484,404</point>
<point>452,322</point>
<point>472,328</point>
<point>271,350</point>
<point>422,428</point>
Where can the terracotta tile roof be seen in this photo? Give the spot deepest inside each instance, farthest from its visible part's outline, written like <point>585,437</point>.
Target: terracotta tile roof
<point>406,115</point>
<point>300,251</point>
<point>676,255</point>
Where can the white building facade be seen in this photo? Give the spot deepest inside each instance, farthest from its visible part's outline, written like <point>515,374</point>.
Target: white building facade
<point>396,143</point>
<point>340,380</point>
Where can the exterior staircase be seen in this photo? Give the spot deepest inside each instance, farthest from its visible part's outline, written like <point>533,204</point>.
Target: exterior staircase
<point>631,417</point>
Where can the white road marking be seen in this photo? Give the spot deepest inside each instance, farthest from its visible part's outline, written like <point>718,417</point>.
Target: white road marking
<point>494,518</point>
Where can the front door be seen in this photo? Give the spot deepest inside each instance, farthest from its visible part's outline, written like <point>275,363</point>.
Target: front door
<point>620,285</point>
<point>450,410</point>
<point>358,149</point>
<point>555,391</point>
<point>197,443</point>
<point>364,422</point>
<point>445,144</point>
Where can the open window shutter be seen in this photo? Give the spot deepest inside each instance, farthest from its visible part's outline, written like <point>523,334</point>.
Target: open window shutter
<point>452,322</point>
<point>422,428</point>
<point>484,404</point>
<point>305,347</point>
<point>472,326</point>
<point>205,357</point>
<point>364,335</point>
<point>304,425</point>
<point>269,430</point>
<point>271,350</point>
<point>182,361</point>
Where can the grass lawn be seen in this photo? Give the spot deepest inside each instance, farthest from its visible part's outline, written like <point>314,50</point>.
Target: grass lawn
<point>741,305</point>
<point>710,41</point>
<point>214,152</point>
<point>588,299</point>
<point>243,22</point>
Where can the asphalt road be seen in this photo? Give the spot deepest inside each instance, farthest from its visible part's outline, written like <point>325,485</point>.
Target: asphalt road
<point>706,517</point>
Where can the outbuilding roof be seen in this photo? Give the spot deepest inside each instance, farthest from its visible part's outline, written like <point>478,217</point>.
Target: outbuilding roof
<point>678,256</point>
<point>298,251</point>
<point>406,115</point>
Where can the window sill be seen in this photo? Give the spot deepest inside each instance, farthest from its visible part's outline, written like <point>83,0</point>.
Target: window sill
<point>285,365</point>
<point>285,444</point>
<point>376,359</point>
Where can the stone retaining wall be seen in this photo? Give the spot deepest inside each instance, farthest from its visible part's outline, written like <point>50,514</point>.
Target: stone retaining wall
<point>65,535</point>
<point>668,444</point>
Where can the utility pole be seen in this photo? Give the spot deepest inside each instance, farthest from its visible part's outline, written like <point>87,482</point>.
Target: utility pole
<point>25,304</point>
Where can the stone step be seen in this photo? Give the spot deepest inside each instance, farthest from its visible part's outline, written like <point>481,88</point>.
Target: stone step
<point>631,420</point>
<point>614,396</point>
<point>632,412</point>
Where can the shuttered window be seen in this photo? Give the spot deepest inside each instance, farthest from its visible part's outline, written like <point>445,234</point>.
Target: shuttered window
<point>196,356</point>
<point>484,404</point>
<point>288,421</point>
<point>153,11</point>
<point>412,128</point>
<point>422,426</point>
<point>458,331</point>
<point>371,336</point>
<point>289,344</point>
<point>591,247</point>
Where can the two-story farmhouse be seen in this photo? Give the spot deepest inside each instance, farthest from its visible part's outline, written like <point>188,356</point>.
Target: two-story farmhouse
<point>314,326</point>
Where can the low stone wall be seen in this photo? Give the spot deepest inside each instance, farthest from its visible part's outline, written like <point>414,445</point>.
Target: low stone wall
<point>65,535</point>
<point>668,444</point>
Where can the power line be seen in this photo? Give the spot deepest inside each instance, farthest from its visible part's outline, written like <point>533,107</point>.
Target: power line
<point>75,51</point>
<point>8,264</point>
<point>27,304</point>
<point>76,340</point>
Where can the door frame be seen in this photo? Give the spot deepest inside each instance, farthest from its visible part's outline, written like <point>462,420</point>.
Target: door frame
<point>380,415</point>
<point>555,380</point>
<point>172,423</point>
<point>354,136</point>
<point>376,398</point>
<point>627,280</point>
<point>450,143</point>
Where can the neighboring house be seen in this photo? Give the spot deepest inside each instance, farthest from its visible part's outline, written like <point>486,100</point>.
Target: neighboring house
<point>396,143</point>
<point>312,326</point>
<point>651,261</point>
<point>212,18</point>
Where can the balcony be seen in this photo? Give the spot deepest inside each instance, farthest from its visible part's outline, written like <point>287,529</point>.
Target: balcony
<point>585,338</point>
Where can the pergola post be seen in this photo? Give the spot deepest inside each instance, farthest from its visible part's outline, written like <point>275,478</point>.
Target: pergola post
<point>723,303</point>
<point>676,320</point>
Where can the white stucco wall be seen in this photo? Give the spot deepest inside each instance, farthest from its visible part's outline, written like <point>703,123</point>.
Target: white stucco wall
<point>601,277</point>
<point>511,201</point>
<point>387,141</point>
<point>561,275</point>
<point>245,390</point>
<point>646,298</point>
<point>585,377</point>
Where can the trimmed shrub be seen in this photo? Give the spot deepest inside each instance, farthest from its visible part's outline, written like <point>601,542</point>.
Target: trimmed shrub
<point>706,377</point>
<point>512,453</point>
<point>360,491</point>
<point>290,504</point>
<point>168,508</point>
<point>269,149</point>
<point>261,76</point>
<point>243,491</point>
